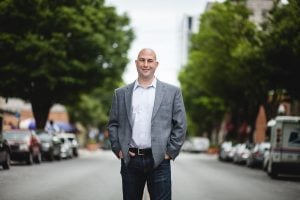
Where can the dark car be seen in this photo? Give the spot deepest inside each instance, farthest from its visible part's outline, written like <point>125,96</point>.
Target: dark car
<point>25,146</point>
<point>4,153</point>
<point>50,145</point>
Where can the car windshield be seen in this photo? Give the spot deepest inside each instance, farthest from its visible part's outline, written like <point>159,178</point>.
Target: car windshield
<point>16,135</point>
<point>62,140</point>
<point>292,132</point>
<point>294,137</point>
<point>44,136</point>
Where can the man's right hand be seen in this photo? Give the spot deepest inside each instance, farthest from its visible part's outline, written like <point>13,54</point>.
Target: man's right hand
<point>121,155</point>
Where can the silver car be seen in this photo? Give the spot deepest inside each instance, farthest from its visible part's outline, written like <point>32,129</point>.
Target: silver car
<point>66,150</point>
<point>257,153</point>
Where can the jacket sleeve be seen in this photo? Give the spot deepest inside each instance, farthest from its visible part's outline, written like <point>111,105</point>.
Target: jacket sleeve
<point>179,126</point>
<point>113,125</point>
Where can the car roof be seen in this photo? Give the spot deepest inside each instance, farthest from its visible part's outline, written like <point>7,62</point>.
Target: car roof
<point>288,118</point>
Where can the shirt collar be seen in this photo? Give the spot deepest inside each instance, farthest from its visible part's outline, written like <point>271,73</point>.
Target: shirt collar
<point>153,84</point>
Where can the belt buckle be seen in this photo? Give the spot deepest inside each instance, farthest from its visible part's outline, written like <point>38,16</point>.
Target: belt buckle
<point>140,152</point>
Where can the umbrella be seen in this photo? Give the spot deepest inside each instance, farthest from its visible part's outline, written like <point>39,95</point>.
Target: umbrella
<point>65,126</point>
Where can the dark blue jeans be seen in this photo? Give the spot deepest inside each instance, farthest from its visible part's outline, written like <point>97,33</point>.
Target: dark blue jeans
<point>139,171</point>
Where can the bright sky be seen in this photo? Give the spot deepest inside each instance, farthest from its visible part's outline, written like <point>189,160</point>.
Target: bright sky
<point>158,25</point>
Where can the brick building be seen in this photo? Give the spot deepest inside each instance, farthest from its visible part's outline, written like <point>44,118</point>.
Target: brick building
<point>57,113</point>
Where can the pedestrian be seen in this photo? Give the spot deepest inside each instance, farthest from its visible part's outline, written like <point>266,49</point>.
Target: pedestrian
<point>51,127</point>
<point>147,127</point>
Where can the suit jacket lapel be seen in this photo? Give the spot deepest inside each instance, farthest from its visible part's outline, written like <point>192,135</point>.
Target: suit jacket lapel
<point>159,94</point>
<point>128,101</point>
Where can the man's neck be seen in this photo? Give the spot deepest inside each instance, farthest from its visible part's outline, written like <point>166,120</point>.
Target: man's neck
<point>145,82</point>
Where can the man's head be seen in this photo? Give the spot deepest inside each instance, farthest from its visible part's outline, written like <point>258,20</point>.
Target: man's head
<point>146,64</point>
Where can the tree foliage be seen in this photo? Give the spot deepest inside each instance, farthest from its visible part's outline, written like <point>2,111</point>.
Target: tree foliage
<point>224,69</point>
<point>281,48</point>
<point>54,51</point>
<point>92,109</point>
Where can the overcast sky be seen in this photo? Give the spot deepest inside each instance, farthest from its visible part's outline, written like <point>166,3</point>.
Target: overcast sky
<point>158,25</point>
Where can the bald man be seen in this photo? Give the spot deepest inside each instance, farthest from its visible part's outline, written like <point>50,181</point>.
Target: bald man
<point>147,128</point>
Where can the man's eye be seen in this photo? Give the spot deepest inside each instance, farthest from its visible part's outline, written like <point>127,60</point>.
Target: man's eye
<point>145,60</point>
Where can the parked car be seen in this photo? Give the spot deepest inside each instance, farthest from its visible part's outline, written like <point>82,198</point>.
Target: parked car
<point>257,153</point>
<point>232,151</point>
<point>225,149</point>
<point>196,144</point>
<point>4,153</point>
<point>66,150</point>
<point>25,146</point>
<point>284,155</point>
<point>51,145</point>
<point>241,153</point>
<point>74,143</point>
<point>187,146</point>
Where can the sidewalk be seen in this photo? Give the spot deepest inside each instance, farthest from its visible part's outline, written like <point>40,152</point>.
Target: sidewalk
<point>86,152</point>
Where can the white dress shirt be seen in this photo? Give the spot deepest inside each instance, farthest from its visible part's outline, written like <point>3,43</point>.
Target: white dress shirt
<point>142,107</point>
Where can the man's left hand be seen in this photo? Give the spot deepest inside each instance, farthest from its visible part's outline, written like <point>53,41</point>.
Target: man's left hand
<point>167,157</point>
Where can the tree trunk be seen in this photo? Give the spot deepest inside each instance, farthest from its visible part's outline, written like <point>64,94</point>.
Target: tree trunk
<point>253,114</point>
<point>40,111</point>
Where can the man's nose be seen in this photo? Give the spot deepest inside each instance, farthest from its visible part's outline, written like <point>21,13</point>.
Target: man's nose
<point>146,63</point>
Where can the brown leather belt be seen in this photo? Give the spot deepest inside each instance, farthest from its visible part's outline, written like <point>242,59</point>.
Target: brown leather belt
<point>141,152</point>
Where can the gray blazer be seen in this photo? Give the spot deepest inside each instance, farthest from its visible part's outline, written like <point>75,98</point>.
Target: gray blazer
<point>168,125</point>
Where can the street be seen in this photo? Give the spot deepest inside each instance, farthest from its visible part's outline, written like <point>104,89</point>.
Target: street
<point>95,176</point>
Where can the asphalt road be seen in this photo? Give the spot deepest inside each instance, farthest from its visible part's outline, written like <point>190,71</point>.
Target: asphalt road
<point>201,177</point>
<point>95,176</point>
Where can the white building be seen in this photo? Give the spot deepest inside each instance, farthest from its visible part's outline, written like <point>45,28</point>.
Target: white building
<point>260,9</point>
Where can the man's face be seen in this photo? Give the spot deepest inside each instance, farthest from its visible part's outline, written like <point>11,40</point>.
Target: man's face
<point>146,64</point>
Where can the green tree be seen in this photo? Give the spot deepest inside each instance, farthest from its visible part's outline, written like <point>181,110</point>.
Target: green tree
<point>92,109</point>
<point>281,48</point>
<point>224,70</point>
<point>54,51</point>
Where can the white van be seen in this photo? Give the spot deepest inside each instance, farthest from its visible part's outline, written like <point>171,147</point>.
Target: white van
<point>284,157</point>
<point>196,144</point>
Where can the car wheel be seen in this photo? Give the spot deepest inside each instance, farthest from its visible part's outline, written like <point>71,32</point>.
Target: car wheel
<point>51,156</point>
<point>272,172</point>
<point>29,160</point>
<point>6,163</point>
<point>58,157</point>
<point>75,153</point>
